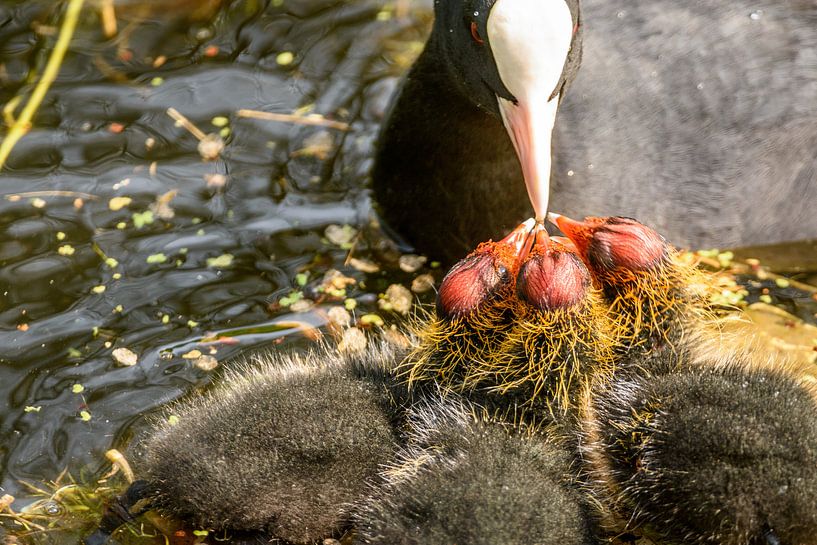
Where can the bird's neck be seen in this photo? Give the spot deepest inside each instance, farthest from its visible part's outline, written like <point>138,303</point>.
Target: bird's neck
<point>439,152</point>
<point>434,80</point>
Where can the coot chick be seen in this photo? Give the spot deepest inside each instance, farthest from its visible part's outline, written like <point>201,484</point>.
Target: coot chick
<point>283,447</point>
<point>467,479</point>
<point>525,346</point>
<point>561,336</point>
<point>722,452</point>
<point>657,299</point>
<point>475,310</point>
<point>446,174</point>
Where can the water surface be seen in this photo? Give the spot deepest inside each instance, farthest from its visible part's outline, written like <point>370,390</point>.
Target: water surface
<point>115,232</point>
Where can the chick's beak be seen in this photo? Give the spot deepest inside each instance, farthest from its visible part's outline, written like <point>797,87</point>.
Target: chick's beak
<point>565,243</point>
<point>578,232</point>
<point>569,227</point>
<point>540,236</point>
<point>537,238</point>
<point>517,238</point>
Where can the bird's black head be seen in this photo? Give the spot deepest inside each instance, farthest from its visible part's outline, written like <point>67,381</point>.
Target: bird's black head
<point>513,59</point>
<point>465,36</point>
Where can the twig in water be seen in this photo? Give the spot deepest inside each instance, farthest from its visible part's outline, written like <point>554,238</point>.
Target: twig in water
<point>182,121</point>
<point>8,110</point>
<point>108,15</point>
<point>51,193</point>
<point>314,120</point>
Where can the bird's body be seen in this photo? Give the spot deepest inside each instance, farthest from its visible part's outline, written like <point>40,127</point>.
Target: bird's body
<point>717,452</point>
<point>696,117</point>
<point>467,479</point>
<point>284,448</point>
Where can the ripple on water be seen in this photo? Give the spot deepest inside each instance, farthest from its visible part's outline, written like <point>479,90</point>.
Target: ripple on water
<point>183,264</point>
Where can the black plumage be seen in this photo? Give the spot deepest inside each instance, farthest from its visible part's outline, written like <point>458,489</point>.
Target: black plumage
<point>443,154</point>
<point>284,447</point>
<point>721,452</point>
<point>697,118</point>
<point>466,479</point>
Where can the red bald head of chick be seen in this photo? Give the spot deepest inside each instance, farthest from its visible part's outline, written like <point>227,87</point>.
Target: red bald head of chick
<point>553,276</point>
<point>484,276</point>
<point>614,245</point>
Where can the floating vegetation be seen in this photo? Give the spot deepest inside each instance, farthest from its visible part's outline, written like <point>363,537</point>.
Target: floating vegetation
<point>136,251</point>
<point>125,357</point>
<point>750,267</point>
<point>65,507</point>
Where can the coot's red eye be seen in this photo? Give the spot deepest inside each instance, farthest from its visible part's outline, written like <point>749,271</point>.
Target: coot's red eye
<point>475,34</point>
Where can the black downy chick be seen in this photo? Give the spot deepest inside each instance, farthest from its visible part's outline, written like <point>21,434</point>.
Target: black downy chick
<point>722,452</point>
<point>467,479</point>
<point>562,336</point>
<point>475,311</point>
<point>659,300</point>
<point>284,447</point>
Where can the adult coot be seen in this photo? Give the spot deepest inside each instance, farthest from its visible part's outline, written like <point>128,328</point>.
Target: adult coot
<point>699,119</point>
<point>444,154</point>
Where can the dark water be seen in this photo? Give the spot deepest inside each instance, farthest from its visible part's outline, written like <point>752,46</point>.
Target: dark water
<point>206,266</point>
<point>103,132</point>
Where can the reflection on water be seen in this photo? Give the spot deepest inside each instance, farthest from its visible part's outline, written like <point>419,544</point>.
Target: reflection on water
<point>116,234</point>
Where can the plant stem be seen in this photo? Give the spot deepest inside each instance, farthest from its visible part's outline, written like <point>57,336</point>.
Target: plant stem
<point>23,123</point>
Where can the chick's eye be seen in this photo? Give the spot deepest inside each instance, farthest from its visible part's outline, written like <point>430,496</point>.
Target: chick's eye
<point>475,33</point>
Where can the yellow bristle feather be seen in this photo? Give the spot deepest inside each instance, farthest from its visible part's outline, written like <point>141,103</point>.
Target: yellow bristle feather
<point>554,353</point>
<point>658,304</point>
<point>447,347</point>
<point>512,348</point>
